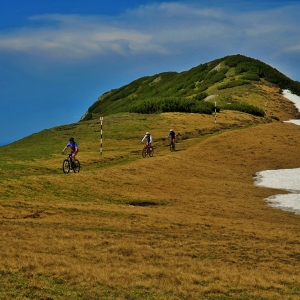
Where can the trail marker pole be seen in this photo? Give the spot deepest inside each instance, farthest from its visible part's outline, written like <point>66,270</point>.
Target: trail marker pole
<point>215,112</point>
<point>101,119</point>
<point>266,104</point>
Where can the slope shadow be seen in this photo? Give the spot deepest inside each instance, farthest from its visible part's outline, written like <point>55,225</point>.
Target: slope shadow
<point>143,203</point>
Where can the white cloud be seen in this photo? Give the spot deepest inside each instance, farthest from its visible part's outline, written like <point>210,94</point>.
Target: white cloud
<point>154,29</point>
<point>171,10</point>
<point>295,48</point>
<point>74,36</point>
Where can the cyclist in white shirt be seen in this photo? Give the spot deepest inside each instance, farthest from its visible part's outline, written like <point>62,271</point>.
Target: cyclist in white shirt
<point>148,138</point>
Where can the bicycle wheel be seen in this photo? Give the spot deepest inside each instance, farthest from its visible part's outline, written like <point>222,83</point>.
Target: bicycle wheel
<point>144,152</point>
<point>66,166</point>
<point>76,166</point>
<point>151,153</point>
<point>172,147</point>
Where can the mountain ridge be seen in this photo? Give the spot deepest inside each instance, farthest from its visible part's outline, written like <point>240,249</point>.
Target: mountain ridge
<point>220,80</point>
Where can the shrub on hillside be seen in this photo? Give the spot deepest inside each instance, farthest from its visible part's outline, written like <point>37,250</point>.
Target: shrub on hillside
<point>145,107</point>
<point>204,107</point>
<point>202,87</point>
<point>250,76</point>
<point>232,84</point>
<point>201,96</point>
<point>173,105</point>
<point>247,67</point>
<point>217,78</point>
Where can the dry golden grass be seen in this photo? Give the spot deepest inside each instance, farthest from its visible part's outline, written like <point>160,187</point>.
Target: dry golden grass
<point>184,225</point>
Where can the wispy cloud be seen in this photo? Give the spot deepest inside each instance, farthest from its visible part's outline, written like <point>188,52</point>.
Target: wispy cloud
<point>74,36</point>
<point>294,49</point>
<point>154,29</point>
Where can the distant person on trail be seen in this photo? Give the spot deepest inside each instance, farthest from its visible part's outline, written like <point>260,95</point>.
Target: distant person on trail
<point>73,147</point>
<point>172,136</point>
<point>148,138</point>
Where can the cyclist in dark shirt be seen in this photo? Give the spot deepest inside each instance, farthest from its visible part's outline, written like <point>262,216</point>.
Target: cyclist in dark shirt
<point>172,135</point>
<point>73,147</point>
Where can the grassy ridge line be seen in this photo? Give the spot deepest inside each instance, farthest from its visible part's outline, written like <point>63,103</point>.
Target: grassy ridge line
<point>209,234</point>
<point>40,153</point>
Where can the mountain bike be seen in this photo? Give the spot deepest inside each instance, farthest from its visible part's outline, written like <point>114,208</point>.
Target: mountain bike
<point>147,151</point>
<point>68,165</point>
<point>172,145</point>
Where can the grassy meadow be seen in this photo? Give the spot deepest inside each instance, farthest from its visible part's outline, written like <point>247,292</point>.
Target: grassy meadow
<point>183,225</point>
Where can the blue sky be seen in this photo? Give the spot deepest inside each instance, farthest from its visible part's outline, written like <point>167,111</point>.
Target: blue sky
<point>57,57</point>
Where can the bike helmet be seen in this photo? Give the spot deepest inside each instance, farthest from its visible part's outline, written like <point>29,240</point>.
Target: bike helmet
<point>147,132</point>
<point>171,129</point>
<point>71,139</point>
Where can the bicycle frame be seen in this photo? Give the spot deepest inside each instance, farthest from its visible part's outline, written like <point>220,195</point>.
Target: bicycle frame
<point>172,144</point>
<point>69,164</point>
<point>147,147</point>
<point>147,150</point>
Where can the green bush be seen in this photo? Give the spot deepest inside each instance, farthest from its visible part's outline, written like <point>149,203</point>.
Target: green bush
<point>232,84</point>
<point>202,87</point>
<point>173,105</point>
<point>217,78</point>
<point>247,67</point>
<point>201,96</point>
<point>250,76</point>
<point>204,107</point>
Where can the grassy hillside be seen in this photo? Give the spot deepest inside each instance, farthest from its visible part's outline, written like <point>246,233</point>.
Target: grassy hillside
<point>233,82</point>
<point>183,225</point>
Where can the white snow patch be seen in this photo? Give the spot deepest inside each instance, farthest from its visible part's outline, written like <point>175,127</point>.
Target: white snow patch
<point>285,179</point>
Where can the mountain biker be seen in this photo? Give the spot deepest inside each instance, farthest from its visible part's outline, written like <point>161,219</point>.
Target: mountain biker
<point>172,136</point>
<point>148,138</point>
<point>73,147</point>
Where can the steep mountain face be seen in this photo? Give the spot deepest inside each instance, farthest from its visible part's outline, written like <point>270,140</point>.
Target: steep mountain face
<point>234,82</point>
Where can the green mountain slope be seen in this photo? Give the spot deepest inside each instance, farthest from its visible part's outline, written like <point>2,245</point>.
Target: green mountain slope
<point>233,79</point>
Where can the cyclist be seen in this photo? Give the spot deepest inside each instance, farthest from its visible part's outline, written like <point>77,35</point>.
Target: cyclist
<point>148,138</point>
<point>73,147</point>
<point>172,136</point>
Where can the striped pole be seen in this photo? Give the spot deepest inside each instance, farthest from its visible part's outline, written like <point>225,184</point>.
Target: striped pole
<point>215,112</point>
<point>101,119</point>
<point>266,104</point>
